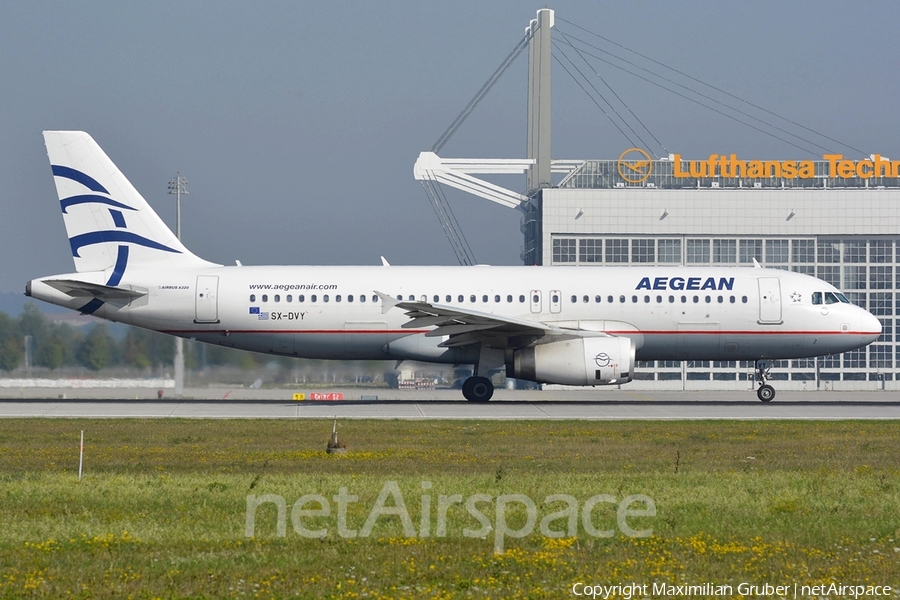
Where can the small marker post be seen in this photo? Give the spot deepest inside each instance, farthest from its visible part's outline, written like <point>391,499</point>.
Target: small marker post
<point>81,455</point>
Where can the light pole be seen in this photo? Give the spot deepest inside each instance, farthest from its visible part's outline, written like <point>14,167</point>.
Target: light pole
<point>178,186</point>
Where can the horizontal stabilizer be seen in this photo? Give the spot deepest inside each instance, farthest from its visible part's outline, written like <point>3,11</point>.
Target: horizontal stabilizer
<point>83,289</point>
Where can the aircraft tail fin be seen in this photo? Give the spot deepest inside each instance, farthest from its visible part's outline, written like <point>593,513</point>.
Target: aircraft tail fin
<point>109,224</point>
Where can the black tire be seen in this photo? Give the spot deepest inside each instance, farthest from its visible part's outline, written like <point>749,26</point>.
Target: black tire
<point>478,389</point>
<point>765,393</point>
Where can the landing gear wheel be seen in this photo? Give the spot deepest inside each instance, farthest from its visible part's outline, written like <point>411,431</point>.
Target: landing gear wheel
<point>765,392</point>
<point>478,389</point>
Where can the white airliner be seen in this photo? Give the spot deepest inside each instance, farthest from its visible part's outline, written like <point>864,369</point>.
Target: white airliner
<point>566,325</point>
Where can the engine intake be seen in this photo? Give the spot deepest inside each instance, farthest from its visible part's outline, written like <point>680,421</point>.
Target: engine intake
<point>580,361</point>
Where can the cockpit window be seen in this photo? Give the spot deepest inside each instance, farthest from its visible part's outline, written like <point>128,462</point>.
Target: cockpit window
<point>843,298</point>
<point>831,298</point>
<point>817,297</point>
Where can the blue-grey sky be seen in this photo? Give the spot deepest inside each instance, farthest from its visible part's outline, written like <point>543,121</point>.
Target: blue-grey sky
<point>297,123</point>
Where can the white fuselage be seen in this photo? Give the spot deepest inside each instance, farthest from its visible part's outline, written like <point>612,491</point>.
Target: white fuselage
<point>671,313</point>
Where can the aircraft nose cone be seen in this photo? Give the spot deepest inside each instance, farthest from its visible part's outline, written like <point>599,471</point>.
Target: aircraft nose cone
<point>870,327</point>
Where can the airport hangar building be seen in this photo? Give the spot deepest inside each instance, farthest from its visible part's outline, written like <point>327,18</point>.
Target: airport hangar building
<point>831,218</point>
<point>837,219</point>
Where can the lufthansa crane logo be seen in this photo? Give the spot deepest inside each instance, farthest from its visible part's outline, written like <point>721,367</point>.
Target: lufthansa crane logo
<point>635,165</point>
<point>602,359</point>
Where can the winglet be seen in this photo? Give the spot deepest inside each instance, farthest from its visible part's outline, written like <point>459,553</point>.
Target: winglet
<point>387,303</point>
<point>384,262</point>
<point>756,264</point>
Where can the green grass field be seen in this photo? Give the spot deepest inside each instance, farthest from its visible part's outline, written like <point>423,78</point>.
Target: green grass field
<point>162,509</point>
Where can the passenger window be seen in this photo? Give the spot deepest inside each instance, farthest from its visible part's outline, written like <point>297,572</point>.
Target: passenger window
<point>721,299</point>
<point>265,298</point>
<point>684,299</point>
<point>817,297</point>
<point>522,298</point>
<point>671,299</point>
<point>448,298</point>
<point>708,299</point>
<point>312,298</point>
<point>610,299</point>
<point>622,299</point>
<point>497,298</point>
<point>460,298</point>
<point>362,297</point>
<point>535,298</point>
<point>509,298</point>
<point>696,299</point>
<point>634,299</point>
<point>659,299</point>
<point>375,298</point>
<point>289,298</point>
<point>831,298</point>
<point>301,298</point>
<point>598,299</point>
<point>731,299</point>
<point>252,297</point>
<point>484,298</point>
<point>647,299</point>
<point>556,298</point>
<point>349,297</point>
<point>472,298</point>
<point>585,299</point>
<point>337,298</point>
<point>437,298</point>
<point>744,299</point>
<point>325,298</point>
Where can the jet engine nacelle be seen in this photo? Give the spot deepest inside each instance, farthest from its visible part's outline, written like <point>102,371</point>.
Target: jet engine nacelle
<point>579,361</point>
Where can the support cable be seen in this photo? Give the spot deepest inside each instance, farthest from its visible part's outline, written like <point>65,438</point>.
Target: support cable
<point>738,98</point>
<point>647,129</point>
<point>460,119</point>
<point>448,222</point>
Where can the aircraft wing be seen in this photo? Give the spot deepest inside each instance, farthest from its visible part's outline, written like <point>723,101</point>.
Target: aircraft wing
<point>84,289</point>
<point>465,326</point>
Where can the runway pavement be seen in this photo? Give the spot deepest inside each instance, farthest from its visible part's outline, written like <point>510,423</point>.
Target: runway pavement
<point>446,404</point>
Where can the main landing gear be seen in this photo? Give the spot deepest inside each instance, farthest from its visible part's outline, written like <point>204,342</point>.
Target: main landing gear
<point>478,389</point>
<point>765,392</point>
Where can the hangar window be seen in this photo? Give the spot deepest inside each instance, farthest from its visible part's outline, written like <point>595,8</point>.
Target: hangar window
<point>803,251</point>
<point>881,303</point>
<point>855,278</point>
<point>643,251</point>
<point>881,251</point>
<point>828,251</point>
<point>725,251</point>
<point>776,251</point>
<point>698,251</point>
<point>252,297</point>
<point>564,250</point>
<point>854,251</point>
<point>590,250</point>
<point>831,274</point>
<point>617,250</point>
<point>265,298</point>
<point>750,249</point>
<point>670,251</point>
<point>881,278</point>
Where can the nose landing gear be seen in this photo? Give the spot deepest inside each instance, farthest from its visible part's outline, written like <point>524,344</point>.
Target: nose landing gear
<point>765,392</point>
